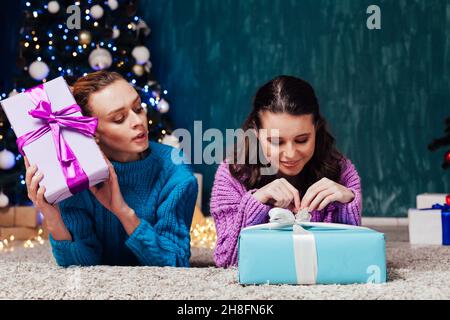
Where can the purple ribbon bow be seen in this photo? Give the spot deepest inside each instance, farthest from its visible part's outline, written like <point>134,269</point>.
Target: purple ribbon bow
<point>76,178</point>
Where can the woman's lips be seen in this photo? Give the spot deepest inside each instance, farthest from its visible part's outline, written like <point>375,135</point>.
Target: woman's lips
<point>140,138</point>
<point>290,164</point>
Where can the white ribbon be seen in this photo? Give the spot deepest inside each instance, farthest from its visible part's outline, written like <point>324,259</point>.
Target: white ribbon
<point>305,252</point>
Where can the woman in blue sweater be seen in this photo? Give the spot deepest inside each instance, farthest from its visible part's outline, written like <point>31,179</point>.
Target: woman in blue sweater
<point>142,214</point>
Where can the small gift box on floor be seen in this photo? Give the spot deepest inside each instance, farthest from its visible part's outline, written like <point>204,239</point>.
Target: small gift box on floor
<point>427,200</point>
<point>19,216</point>
<point>430,226</point>
<point>55,136</point>
<point>290,251</point>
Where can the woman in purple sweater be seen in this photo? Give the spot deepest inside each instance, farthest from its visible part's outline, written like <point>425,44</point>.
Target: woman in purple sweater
<point>307,169</point>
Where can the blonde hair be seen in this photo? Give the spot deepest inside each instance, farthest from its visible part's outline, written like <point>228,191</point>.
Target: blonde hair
<point>91,83</point>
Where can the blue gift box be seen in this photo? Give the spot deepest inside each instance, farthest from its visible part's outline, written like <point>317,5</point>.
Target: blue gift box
<point>445,221</point>
<point>322,253</point>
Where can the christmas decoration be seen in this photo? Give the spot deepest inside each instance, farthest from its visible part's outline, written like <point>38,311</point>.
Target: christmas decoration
<point>442,142</point>
<point>96,12</point>
<point>163,106</point>
<point>38,70</point>
<point>141,54</point>
<point>116,33</point>
<point>138,70</point>
<point>84,37</point>
<point>53,7</point>
<point>143,28</point>
<point>148,66</point>
<point>100,59</point>
<point>7,159</point>
<point>47,49</point>
<point>113,4</point>
<point>4,201</point>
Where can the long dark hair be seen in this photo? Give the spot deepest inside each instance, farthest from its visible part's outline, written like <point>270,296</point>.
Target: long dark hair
<point>286,94</point>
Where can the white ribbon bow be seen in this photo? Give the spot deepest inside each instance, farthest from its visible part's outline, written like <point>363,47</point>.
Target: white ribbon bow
<point>305,252</point>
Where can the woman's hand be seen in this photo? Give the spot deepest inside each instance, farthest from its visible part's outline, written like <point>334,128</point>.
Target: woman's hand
<point>280,193</point>
<point>323,192</point>
<point>108,193</point>
<point>51,213</point>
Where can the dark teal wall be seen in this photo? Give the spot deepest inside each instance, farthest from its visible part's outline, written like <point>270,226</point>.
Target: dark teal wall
<point>385,93</point>
<point>10,20</point>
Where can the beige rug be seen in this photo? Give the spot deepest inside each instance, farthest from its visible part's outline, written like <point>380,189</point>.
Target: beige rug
<point>414,273</point>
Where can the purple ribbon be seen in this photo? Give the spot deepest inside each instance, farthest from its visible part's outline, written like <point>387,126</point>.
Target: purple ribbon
<point>76,178</point>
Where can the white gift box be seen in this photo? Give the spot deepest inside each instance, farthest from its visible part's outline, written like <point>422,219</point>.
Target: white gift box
<point>425,226</point>
<point>427,200</point>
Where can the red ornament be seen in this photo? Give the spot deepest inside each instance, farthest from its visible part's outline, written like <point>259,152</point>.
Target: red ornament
<point>447,199</point>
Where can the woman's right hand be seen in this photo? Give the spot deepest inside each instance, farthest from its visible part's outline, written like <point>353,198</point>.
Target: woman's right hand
<point>279,193</point>
<point>51,213</point>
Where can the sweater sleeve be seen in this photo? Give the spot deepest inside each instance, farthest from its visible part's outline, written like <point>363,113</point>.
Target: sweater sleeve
<point>350,213</point>
<point>233,208</point>
<point>167,243</point>
<point>84,249</point>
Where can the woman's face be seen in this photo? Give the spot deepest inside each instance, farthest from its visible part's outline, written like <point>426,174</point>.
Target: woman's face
<point>293,147</point>
<point>122,121</point>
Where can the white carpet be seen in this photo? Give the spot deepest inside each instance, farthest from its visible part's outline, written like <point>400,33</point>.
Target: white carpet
<point>414,273</point>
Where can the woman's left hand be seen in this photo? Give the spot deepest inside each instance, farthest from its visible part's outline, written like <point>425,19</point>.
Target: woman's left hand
<point>323,192</point>
<point>109,195</point>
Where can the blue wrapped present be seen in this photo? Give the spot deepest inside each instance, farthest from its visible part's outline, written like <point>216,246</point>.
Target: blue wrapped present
<point>430,226</point>
<point>289,250</point>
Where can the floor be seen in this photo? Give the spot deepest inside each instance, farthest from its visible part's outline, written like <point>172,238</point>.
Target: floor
<point>414,272</point>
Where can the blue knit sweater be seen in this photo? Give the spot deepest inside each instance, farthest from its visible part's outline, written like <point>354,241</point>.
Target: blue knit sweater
<point>163,195</point>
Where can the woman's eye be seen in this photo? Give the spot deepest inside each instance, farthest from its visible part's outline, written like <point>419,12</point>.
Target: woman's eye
<point>302,141</point>
<point>119,120</point>
<point>139,109</point>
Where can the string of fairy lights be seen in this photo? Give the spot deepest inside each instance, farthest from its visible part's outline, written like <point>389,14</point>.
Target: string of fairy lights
<point>9,244</point>
<point>203,235</point>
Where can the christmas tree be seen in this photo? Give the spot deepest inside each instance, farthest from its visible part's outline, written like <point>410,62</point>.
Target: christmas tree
<point>442,142</point>
<point>70,39</point>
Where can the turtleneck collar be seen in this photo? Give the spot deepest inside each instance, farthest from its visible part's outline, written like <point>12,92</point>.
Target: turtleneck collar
<point>132,171</point>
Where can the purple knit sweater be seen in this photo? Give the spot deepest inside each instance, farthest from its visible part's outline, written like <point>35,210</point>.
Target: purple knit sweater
<point>233,208</point>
